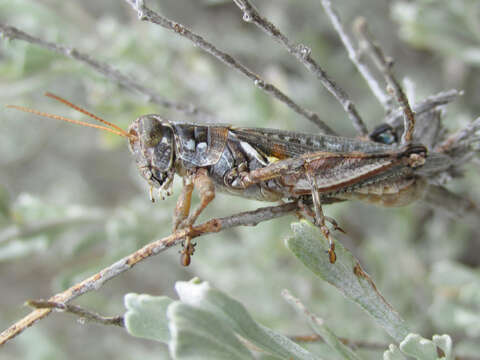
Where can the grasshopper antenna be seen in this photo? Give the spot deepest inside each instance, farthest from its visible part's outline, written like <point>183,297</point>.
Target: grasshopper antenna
<point>116,129</point>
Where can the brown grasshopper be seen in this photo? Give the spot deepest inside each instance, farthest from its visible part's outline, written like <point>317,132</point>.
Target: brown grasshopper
<point>269,165</point>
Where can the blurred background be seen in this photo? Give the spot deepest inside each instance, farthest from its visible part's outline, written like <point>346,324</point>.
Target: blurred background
<point>72,202</point>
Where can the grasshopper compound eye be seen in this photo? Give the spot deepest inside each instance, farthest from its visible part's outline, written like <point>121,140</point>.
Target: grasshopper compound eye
<point>384,134</point>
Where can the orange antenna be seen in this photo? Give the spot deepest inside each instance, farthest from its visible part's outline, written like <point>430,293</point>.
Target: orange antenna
<point>83,111</point>
<point>120,132</point>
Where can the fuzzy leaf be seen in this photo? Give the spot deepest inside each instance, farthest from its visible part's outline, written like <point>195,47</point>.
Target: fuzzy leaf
<point>198,334</point>
<point>230,311</point>
<point>393,353</point>
<point>320,328</point>
<point>309,246</point>
<point>418,347</point>
<point>444,342</point>
<point>146,316</point>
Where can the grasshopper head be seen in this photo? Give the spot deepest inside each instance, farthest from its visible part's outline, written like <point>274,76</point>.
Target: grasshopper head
<point>153,146</point>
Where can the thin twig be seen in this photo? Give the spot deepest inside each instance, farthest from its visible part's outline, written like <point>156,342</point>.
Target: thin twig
<point>466,135</point>
<point>354,344</point>
<point>356,57</point>
<point>385,66</point>
<point>108,71</point>
<point>94,282</point>
<point>358,344</point>
<point>77,310</point>
<point>431,102</point>
<point>146,14</point>
<point>318,325</point>
<point>453,205</point>
<point>302,53</point>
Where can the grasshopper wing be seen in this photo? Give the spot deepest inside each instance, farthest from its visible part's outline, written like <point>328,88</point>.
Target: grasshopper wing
<point>285,144</point>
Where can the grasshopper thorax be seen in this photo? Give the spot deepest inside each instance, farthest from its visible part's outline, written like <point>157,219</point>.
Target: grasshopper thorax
<point>153,146</point>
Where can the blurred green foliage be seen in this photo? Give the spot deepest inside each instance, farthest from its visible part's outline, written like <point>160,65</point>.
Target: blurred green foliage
<point>81,189</point>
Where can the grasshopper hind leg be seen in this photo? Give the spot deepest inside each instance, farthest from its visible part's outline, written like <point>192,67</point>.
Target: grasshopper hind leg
<point>321,219</point>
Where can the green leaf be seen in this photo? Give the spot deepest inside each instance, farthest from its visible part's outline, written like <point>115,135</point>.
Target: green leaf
<point>393,353</point>
<point>418,347</point>
<point>320,328</point>
<point>146,316</point>
<point>309,246</point>
<point>21,249</point>
<point>199,334</point>
<point>5,205</point>
<point>444,342</point>
<point>230,311</point>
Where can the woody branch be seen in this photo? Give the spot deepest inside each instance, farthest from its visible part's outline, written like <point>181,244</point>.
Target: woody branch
<point>96,281</point>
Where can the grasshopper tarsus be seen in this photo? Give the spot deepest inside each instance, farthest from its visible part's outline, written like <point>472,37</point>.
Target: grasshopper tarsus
<point>334,224</point>
<point>188,248</point>
<point>332,256</point>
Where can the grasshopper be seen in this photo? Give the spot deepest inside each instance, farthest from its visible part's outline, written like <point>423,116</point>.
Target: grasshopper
<point>269,165</point>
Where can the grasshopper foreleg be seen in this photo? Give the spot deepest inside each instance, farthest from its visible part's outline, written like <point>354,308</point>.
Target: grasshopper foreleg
<point>202,182</point>
<point>188,248</point>
<point>182,217</point>
<point>206,189</point>
<point>182,209</point>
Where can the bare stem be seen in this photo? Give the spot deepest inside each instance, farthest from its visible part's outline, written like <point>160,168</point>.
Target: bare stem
<point>356,57</point>
<point>94,282</point>
<point>149,15</point>
<point>105,69</point>
<point>431,102</point>
<point>453,205</point>
<point>302,53</point>
<point>78,311</point>
<point>354,344</point>
<point>385,66</point>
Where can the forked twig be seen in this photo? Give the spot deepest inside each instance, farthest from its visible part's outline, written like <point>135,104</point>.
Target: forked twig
<point>94,282</point>
<point>302,53</point>
<point>431,102</point>
<point>146,14</point>
<point>78,311</point>
<point>453,205</point>
<point>385,65</point>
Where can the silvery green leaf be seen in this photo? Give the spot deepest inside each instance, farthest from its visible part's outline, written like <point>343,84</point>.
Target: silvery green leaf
<point>203,296</point>
<point>418,347</point>
<point>444,342</point>
<point>393,353</point>
<point>146,316</point>
<point>310,247</point>
<point>21,248</point>
<point>199,334</point>
<point>449,273</point>
<point>320,328</point>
